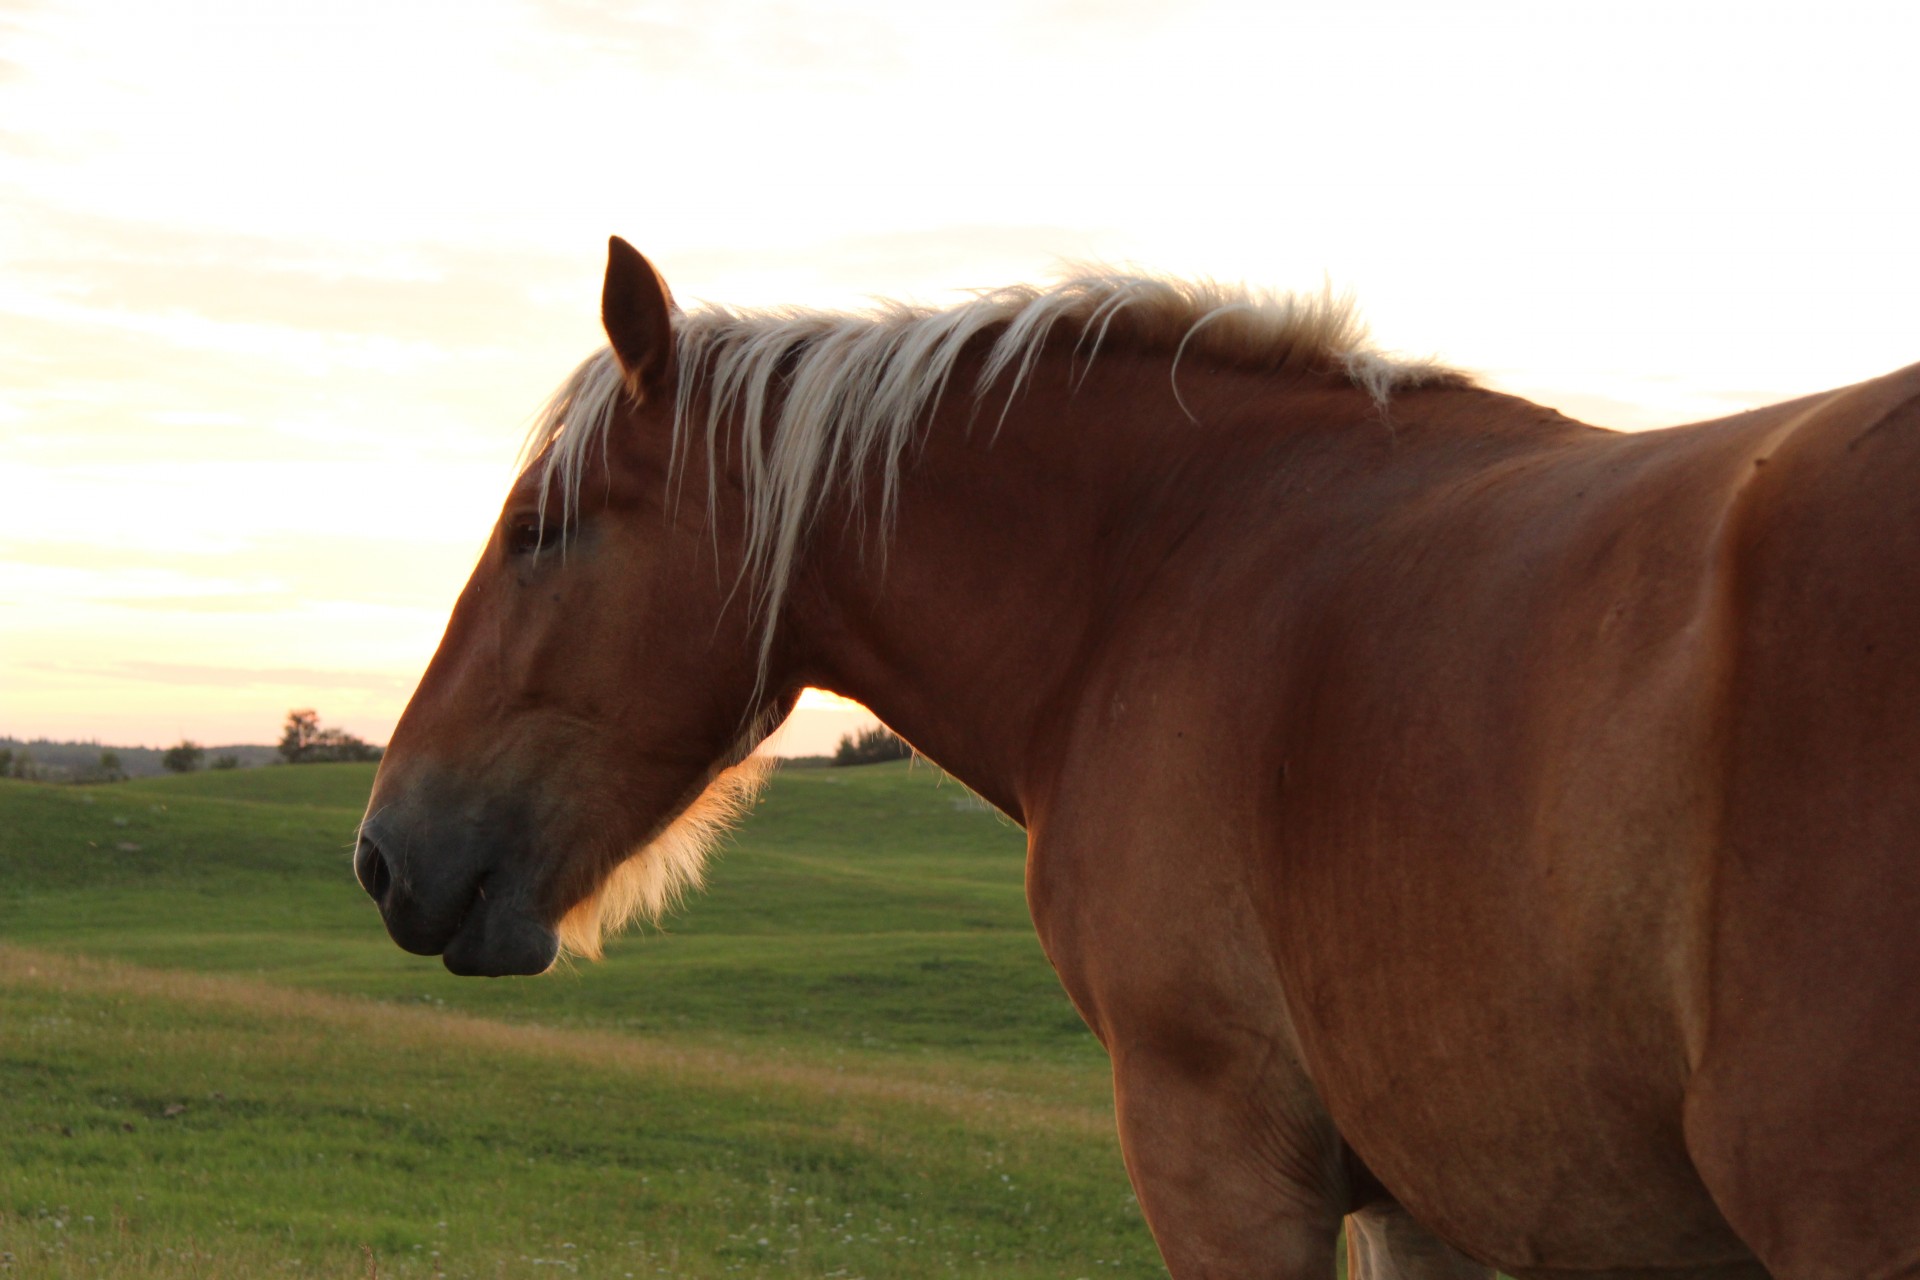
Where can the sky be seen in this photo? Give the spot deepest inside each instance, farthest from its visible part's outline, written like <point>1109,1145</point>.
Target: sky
<point>281,284</point>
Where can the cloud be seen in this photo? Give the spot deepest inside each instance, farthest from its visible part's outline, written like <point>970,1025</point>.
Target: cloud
<point>264,573</point>
<point>110,270</point>
<point>227,677</point>
<point>22,145</point>
<point>1134,19</point>
<point>218,602</point>
<point>659,42</point>
<point>815,46</point>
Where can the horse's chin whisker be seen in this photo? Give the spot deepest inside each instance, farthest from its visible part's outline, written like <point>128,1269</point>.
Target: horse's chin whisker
<point>651,880</point>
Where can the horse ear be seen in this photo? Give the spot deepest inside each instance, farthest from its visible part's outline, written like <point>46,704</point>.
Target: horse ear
<point>637,310</point>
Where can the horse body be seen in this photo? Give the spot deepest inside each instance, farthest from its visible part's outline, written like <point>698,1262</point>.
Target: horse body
<point>1492,828</point>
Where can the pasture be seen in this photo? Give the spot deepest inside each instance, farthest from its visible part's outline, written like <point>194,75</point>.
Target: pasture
<point>846,1058</point>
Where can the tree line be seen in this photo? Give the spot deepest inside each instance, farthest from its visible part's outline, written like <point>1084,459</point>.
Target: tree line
<point>303,740</point>
<point>874,745</point>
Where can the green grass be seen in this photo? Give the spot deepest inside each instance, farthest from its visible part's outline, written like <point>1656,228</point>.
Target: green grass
<point>848,1057</point>
<point>153,1102</point>
<point>878,908</point>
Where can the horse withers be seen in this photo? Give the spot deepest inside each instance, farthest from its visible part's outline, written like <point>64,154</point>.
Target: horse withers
<point>1496,833</point>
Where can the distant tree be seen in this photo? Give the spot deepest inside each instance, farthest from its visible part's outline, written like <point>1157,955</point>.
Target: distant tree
<point>871,746</point>
<point>225,761</point>
<point>184,756</point>
<point>6,762</point>
<point>305,742</point>
<point>295,740</point>
<point>20,765</point>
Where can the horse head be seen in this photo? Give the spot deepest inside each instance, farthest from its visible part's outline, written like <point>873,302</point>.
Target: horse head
<point>585,726</point>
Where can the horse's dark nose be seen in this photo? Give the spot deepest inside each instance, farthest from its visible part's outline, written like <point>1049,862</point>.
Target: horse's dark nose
<point>370,866</point>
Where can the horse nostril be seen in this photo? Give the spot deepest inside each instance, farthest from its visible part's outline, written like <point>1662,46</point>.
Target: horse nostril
<point>370,867</point>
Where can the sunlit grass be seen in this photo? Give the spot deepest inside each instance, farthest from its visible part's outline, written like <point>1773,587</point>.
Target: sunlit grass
<point>849,1058</point>
<point>209,1109</point>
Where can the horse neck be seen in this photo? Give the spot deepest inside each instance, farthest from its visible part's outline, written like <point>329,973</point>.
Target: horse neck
<point>972,625</point>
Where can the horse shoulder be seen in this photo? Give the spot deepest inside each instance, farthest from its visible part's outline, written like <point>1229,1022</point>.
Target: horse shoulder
<point>1141,879</point>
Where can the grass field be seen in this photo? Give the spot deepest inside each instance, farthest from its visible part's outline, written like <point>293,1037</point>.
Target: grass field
<point>847,1058</point>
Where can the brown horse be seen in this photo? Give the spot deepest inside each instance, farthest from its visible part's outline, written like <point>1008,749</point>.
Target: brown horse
<point>1496,832</point>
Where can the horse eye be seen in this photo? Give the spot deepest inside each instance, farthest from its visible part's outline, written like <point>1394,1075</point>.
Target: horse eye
<point>525,535</point>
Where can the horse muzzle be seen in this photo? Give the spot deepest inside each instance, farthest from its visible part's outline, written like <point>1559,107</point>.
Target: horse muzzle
<point>452,899</point>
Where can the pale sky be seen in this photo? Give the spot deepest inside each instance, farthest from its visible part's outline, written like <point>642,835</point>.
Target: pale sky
<point>280,284</point>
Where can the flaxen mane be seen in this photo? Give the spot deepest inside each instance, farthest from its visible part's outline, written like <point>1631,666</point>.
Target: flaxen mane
<point>849,392</point>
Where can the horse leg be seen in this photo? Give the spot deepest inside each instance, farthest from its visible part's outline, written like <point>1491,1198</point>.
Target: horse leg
<point>1236,1182</point>
<point>1385,1243</point>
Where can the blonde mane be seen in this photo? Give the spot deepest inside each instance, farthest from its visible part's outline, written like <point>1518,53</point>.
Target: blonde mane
<point>847,394</point>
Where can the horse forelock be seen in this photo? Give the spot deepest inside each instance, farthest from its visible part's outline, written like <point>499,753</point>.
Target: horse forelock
<point>811,400</point>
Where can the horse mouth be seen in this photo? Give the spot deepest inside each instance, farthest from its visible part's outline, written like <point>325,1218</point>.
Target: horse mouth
<point>497,940</point>
<point>489,931</point>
